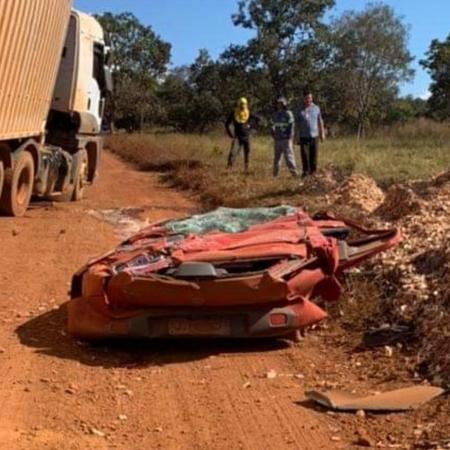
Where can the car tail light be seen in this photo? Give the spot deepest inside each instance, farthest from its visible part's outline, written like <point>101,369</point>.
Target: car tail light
<point>278,320</point>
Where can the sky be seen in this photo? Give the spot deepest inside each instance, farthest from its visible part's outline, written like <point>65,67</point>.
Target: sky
<point>190,25</point>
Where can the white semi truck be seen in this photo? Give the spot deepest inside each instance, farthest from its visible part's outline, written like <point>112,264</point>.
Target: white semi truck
<point>54,79</point>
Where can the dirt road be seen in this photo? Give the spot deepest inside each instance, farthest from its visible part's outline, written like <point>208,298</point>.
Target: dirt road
<point>60,394</point>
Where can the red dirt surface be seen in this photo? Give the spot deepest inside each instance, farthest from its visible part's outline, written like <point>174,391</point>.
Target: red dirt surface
<point>60,394</point>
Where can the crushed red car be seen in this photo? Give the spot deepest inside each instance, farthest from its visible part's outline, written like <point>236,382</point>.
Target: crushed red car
<point>260,281</point>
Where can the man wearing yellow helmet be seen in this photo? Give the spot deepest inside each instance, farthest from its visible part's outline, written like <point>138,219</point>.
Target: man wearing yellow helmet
<point>242,121</point>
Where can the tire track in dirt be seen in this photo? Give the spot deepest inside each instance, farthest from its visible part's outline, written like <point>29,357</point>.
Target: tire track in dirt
<point>57,394</point>
<point>272,401</point>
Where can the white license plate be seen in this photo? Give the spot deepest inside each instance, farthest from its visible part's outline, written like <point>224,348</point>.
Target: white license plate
<point>199,327</point>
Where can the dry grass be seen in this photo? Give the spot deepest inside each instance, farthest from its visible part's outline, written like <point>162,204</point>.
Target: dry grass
<point>198,163</point>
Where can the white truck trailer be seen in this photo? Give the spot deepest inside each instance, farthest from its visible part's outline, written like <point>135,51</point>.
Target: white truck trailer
<point>53,83</point>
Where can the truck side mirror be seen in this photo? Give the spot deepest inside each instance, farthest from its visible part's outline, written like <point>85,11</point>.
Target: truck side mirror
<point>108,57</point>
<point>109,84</point>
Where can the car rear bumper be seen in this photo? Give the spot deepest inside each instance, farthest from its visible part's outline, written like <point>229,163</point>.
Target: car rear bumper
<point>243,322</point>
<point>226,324</point>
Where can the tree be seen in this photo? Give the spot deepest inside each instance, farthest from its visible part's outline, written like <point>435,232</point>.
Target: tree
<point>206,110</point>
<point>188,96</point>
<point>140,58</point>
<point>368,59</point>
<point>437,63</point>
<point>405,109</point>
<point>175,95</point>
<point>204,73</point>
<point>284,52</point>
<point>238,79</point>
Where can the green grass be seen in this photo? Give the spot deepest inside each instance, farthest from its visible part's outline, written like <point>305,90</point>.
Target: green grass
<point>198,163</point>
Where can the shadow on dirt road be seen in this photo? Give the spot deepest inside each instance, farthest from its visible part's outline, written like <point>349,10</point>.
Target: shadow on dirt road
<point>46,334</point>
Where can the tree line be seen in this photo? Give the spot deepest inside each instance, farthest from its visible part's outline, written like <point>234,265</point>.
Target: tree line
<point>353,63</point>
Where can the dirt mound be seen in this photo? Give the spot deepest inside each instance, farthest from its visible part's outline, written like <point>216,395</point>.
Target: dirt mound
<point>358,191</point>
<point>434,320</point>
<point>442,178</point>
<point>400,201</point>
<point>419,269</point>
<point>324,181</point>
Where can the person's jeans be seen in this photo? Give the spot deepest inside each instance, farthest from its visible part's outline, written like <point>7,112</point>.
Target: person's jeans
<point>284,148</point>
<point>309,148</point>
<point>235,148</point>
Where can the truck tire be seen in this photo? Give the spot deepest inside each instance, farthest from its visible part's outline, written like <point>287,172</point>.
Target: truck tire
<point>75,191</point>
<point>81,175</point>
<point>18,186</point>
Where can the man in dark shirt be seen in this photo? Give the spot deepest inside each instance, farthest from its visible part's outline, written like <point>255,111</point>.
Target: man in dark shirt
<point>283,133</point>
<point>239,125</point>
<point>311,128</point>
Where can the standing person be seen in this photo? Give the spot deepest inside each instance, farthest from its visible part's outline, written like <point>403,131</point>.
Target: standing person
<point>283,135</point>
<point>242,121</point>
<point>311,128</point>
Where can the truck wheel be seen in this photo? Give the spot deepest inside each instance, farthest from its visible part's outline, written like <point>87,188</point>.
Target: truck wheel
<point>18,186</point>
<point>81,177</point>
<point>75,191</point>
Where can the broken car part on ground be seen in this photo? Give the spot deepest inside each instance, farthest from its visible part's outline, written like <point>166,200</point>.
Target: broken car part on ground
<point>393,401</point>
<point>189,278</point>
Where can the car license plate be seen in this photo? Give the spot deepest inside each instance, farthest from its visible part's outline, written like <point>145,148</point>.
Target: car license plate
<point>199,327</point>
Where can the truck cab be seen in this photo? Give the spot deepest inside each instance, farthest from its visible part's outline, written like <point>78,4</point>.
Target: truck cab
<point>78,103</point>
<point>82,82</point>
